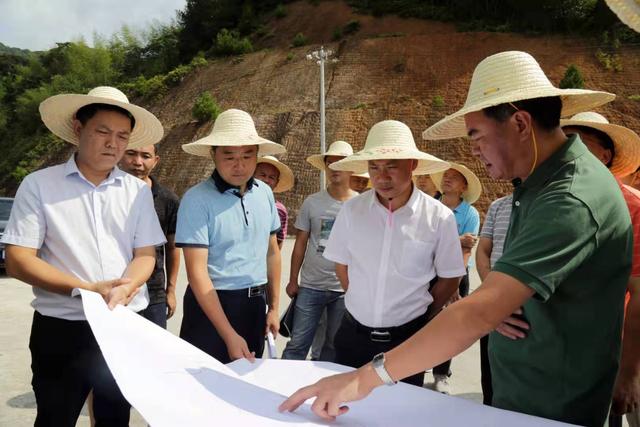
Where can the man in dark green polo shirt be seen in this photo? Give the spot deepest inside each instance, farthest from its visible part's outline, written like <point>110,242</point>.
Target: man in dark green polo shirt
<point>565,265</point>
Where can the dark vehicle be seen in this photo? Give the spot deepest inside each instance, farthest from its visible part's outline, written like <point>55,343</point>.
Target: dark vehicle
<point>5,210</point>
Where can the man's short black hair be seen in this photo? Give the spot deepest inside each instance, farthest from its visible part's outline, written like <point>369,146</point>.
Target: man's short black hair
<point>603,139</point>
<point>544,111</point>
<point>84,114</point>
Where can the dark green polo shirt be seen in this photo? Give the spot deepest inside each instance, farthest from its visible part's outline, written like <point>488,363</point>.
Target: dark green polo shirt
<point>570,240</point>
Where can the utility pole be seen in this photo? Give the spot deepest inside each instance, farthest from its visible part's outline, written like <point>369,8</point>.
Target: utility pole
<point>320,57</point>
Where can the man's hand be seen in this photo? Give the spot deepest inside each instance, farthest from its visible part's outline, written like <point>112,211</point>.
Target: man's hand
<point>626,394</point>
<point>292,288</point>
<point>237,348</point>
<point>331,392</point>
<point>512,327</point>
<point>273,322</point>
<point>171,303</point>
<point>104,287</point>
<point>120,295</point>
<point>468,240</point>
<point>455,297</point>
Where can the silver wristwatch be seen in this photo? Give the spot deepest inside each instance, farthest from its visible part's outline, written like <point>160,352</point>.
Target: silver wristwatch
<point>378,366</point>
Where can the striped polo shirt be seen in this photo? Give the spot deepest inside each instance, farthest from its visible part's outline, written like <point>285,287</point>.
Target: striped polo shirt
<point>496,225</point>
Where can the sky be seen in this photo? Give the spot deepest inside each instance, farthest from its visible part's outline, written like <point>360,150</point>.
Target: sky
<point>39,24</point>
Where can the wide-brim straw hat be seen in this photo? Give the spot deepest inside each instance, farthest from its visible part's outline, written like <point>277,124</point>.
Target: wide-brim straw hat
<point>58,113</point>
<point>474,187</point>
<point>628,11</point>
<point>286,181</point>
<point>626,142</point>
<point>390,140</point>
<point>233,128</point>
<point>510,77</point>
<point>337,148</point>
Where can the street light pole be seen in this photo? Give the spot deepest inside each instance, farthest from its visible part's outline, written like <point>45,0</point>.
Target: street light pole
<point>321,56</point>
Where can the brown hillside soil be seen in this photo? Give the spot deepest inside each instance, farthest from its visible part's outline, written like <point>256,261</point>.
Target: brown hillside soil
<point>376,78</point>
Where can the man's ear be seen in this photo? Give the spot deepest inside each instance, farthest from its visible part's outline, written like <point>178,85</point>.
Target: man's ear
<point>414,164</point>
<point>523,122</point>
<point>77,127</point>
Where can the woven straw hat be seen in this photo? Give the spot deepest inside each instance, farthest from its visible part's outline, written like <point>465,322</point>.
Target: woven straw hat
<point>233,128</point>
<point>387,140</point>
<point>337,148</point>
<point>625,141</point>
<point>58,112</point>
<point>628,11</point>
<point>474,187</point>
<point>510,77</point>
<point>286,181</point>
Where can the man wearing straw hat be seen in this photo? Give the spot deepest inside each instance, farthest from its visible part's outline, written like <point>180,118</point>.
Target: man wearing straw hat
<point>83,224</point>
<point>459,188</point>
<point>279,178</point>
<point>570,232</point>
<point>359,182</point>
<point>227,228</point>
<point>318,288</point>
<point>388,244</point>
<point>618,148</point>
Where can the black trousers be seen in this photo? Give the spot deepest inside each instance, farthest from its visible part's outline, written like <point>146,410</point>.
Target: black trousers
<point>354,346</point>
<point>67,363</point>
<point>485,371</point>
<point>445,367</point>
<point>247,316</point>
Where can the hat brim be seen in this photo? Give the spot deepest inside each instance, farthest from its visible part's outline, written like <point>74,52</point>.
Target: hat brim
<point>202,147</point>
<point>625,141</point>
<point>317,160</point>
<point>573,101</point>
<point>58,113</point>
<point>627,11</point>
<point>358,162</point>
<point>474,186</point>
<point>286,180</point>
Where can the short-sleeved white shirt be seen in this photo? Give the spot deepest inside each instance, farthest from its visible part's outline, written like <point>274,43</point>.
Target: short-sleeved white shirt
<point>391,257</point>
<point>81,229</point>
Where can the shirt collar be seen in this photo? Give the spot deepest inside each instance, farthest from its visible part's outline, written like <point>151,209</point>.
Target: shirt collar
<point>571,150</point>
<point>155,187</point>
<point>71,168</point>
<point>224,186</point>
<point>462,207</point>
<point>412,203</point>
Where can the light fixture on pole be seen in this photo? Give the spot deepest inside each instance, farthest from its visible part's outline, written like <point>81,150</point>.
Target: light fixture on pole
<point>320,57</point>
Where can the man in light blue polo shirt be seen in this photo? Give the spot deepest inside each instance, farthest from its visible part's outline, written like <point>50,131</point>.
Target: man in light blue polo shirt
<point>227,227</point>
<point>459,188</point>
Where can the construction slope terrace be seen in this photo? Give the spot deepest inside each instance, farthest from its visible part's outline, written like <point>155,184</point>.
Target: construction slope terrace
<point>392,68</point>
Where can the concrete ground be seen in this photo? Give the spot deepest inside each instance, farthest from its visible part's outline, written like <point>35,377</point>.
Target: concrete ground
<point>17,402</point>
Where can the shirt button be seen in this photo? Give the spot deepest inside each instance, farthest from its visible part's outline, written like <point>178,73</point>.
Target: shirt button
<point>517,203</point>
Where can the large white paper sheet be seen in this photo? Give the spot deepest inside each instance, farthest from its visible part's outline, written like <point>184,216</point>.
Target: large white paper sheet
<point>172,383</point>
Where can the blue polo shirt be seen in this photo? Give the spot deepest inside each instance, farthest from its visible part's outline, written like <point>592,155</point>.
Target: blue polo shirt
<point>467,218</point>
<point>234,228</point>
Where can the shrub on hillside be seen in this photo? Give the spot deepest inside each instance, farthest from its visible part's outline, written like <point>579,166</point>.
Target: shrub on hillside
<point>280,11</point>
<point>351,27</point>
<point>230,43</point>
<point>437,101</point>
<point>572,78</point>
<point>205,108</point>
<point>299,40</point>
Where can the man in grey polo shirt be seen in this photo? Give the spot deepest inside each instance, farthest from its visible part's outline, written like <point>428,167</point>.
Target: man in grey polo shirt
<point>83,224</point>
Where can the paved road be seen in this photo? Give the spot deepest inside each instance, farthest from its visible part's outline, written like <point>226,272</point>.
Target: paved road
<point>17,403</point>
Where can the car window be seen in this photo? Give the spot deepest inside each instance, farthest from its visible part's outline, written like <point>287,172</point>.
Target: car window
<point>5,209</point>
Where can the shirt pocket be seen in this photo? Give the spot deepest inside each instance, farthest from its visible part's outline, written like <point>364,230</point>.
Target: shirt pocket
<point>416,258</point>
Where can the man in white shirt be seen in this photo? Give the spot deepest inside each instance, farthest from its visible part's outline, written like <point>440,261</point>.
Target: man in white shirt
<point>83,224</point>
<point>387,245</point>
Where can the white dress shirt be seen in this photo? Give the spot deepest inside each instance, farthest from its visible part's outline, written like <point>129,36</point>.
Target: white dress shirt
<point>81,229</point>
<point>391,257</point>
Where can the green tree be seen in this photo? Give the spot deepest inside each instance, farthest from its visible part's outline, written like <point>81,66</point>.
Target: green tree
<point>572,78</point>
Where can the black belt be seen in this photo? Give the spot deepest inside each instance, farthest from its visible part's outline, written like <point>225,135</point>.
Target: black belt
<point>387,334</point>
<point>253,291</point>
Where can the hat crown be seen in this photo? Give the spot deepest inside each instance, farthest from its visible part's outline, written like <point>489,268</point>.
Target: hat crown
<point>503,73</point>
<point>339,148</point>
<point>390,133</point>
<point>234,121</point>
<point>590,116</point>
<point>108,92</point>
